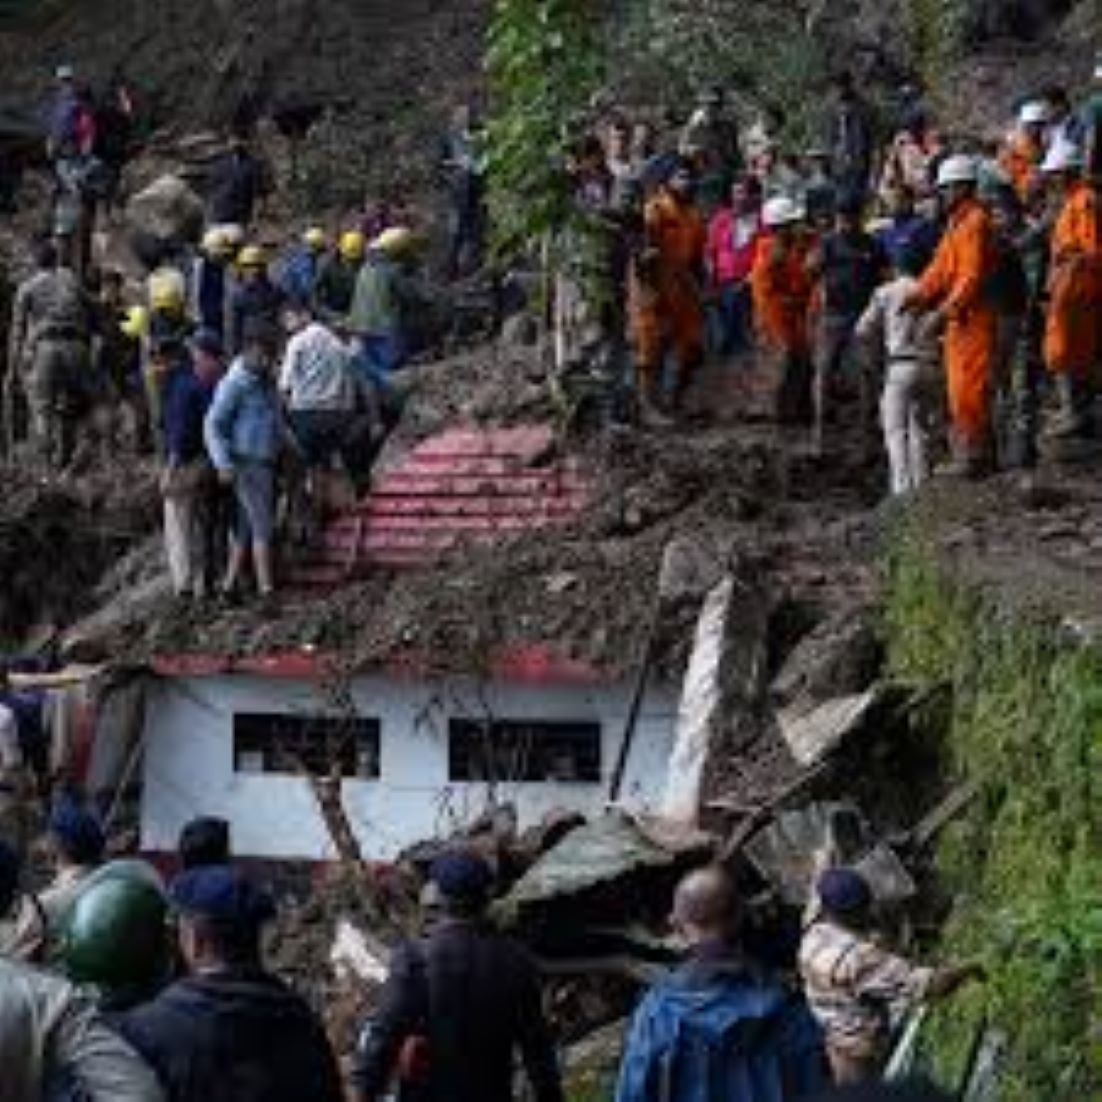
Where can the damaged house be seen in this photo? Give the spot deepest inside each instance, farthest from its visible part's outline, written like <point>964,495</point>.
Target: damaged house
<point>424,742</point>
<point>420,756</point>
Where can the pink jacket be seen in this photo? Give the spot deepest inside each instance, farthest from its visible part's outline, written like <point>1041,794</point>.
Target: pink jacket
<point>730,261</point>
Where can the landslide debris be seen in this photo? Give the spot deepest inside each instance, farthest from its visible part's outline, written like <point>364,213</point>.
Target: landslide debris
<point>737,490</point>
<point>57,538</point>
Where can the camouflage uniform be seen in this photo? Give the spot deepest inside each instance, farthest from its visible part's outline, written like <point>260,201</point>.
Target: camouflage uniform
<point>51,328</point>
<point>858,992</point>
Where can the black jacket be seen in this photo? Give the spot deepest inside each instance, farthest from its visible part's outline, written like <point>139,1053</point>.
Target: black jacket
<point>234,1038</point>
<point>475,996</point>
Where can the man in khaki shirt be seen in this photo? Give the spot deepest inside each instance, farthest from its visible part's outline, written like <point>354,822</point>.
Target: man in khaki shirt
<point>858,990</point>
<point>51,1037</point>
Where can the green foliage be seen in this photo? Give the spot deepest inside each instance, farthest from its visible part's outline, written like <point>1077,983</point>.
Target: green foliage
<point>937,32</point>
<point>1025,864</point>
<point>545,61</point>
<point>668,50</point>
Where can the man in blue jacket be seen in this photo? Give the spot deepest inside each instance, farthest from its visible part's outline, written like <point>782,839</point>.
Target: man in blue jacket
<point>719,1027</point>
<point>243,432</point>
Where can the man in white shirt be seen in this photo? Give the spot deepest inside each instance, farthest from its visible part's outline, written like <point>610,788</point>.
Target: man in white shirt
<point>330,409</point>
<point>911,348</point>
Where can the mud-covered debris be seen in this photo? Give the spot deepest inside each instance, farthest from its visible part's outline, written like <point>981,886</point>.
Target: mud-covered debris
<point>840,657</point>
<point>604,851</point>
<point>790,850</point>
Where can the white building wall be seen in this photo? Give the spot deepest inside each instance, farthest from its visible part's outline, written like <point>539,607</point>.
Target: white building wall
<point>189,764</point>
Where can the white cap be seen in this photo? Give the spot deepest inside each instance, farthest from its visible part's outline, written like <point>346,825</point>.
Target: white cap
<point>781,211</point>
<point>64,72</point>
<point>1062,157</point>
<point>958,169</point>
<point>1034,113</point>
<point>1098,68</point>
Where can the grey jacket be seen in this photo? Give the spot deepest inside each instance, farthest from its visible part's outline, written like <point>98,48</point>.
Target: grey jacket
<point>50,1035</point>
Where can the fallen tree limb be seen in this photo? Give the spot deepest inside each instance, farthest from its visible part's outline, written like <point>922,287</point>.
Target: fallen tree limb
<point>749,826</point>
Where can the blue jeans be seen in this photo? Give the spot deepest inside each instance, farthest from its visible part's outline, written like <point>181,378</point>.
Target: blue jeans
<point>730,320</point>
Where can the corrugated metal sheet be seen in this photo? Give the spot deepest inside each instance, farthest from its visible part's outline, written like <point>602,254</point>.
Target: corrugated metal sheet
<point>462,486</point>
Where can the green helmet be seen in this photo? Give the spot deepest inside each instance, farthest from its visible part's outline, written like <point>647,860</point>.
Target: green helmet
<point>115,940</point>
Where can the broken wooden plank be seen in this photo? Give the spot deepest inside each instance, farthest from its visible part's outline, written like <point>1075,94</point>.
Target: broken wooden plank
<point>745,830</point>
<point>932,824</point>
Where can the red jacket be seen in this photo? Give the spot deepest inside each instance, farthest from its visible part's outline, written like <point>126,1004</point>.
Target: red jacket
<point>729,262</point>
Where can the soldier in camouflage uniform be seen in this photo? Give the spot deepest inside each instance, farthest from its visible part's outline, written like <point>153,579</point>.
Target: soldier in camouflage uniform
<point>49,344</point>
<point>858,990</point>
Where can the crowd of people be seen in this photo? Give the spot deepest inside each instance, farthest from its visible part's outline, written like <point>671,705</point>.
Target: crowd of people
<point>953,276</point>
<point>229,362</point>
<point>116,988</point>
<point>959,278</point>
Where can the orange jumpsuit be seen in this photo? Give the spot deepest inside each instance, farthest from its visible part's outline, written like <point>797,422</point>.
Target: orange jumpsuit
<point>1073,330</point>
<point>1021,161</point>
<point>782,288</point>
<point>956,280</point>
<point>665,299</point>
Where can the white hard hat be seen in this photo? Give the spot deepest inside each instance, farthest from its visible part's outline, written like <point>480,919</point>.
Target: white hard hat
<point>1062,157</point>
<point>957,169</point>
<point>1033,113</point>
<point>781,211</point>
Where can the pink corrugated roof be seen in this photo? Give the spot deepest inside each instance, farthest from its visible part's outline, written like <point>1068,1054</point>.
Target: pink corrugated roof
<point>462,486</point>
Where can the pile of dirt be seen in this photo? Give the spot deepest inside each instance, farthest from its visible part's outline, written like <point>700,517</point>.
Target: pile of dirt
<point>1032,543</point>
<point>586,589</point>
<point>58,538</point>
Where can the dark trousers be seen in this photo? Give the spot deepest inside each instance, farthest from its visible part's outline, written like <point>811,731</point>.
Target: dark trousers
<point>730,320</point>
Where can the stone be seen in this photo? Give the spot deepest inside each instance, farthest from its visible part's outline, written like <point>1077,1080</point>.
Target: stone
<point>840,657</point>
<point>167,211</point>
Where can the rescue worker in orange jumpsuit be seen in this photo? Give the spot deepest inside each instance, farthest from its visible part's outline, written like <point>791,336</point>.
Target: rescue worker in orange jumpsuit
<point>1025,150</point>
<point>1073,331</point>
<point>955,284</point>
<point>666,293</point>
<point>782,286</point>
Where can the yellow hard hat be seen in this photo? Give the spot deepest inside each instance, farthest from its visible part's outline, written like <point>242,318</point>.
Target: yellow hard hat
<point>315,238</point>
<point>167,289</point>
<point>352,245</point>
<point>395,241</point>
<point>251,256</point>
<point>136,323</point>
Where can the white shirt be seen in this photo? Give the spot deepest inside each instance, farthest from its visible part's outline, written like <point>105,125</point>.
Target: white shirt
<point>317,371</point>
<point>905,335</point>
